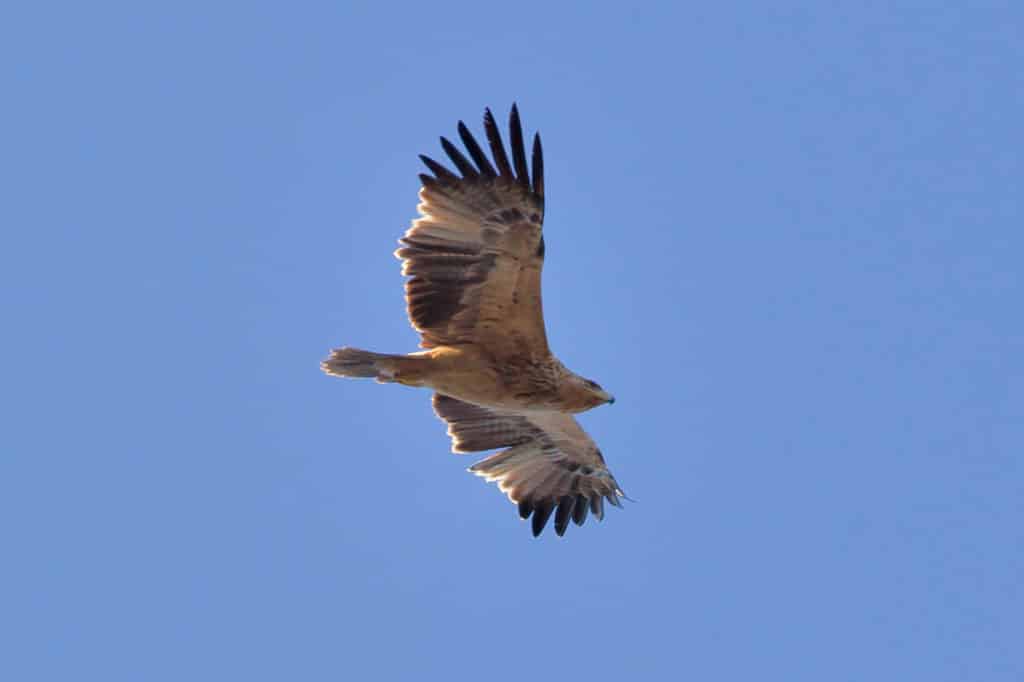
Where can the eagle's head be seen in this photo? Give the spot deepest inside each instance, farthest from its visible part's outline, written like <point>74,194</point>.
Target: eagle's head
<point>590,394</point>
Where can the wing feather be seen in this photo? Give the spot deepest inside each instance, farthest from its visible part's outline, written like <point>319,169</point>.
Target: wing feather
<point>550,466</point>
<point>461,162</point>
<point>482,162</point>
<point>497,146</point>
<point>515,131</point>
<point>443,174</point>
<point>538,166</point>
<point>579,512</point>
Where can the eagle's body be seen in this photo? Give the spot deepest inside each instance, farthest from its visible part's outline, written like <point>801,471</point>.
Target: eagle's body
<point>471,374</point>
<point>475,259</point>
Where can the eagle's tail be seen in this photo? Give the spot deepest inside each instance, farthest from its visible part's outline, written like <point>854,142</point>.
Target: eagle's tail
<point>354,362</point>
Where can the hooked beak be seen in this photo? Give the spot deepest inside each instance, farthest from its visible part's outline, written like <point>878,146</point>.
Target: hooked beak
<point>611,399</point>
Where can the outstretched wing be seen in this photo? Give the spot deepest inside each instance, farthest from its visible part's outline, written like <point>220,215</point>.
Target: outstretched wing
<point>551,464</point>
<point>475,255</point>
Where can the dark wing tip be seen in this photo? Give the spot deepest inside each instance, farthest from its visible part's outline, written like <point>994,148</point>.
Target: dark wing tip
<point>428,181</point>
<point>496,145</point>
<point>538,167</point>
<point>579,512</point>
<point>439,171</point>
<point>482,162</point>
<point>518,148</point>
<point>564,513</point>
<point>541,513</point>
<point>461,162</point>
<point>518,170</point>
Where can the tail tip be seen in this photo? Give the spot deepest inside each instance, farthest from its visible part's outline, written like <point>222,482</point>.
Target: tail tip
<point>350,362</point>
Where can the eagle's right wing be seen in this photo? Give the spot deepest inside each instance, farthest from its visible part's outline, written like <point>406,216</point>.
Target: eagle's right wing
<point>551,464</point>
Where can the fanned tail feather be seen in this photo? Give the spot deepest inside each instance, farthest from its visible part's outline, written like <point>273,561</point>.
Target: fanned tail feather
<point>354,362</point>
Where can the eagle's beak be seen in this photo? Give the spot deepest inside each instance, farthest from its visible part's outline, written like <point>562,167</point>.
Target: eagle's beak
<point>611,400</point>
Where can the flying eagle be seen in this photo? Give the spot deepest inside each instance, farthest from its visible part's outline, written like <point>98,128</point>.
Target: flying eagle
<point>474,258</point>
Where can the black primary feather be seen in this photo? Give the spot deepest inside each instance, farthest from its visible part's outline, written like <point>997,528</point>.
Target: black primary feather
<point>541,514</point>
<point>467,169</point>
<point>579,512</point>
<point>538,167</point>
<point>518,149</point>
<point>486,169</point>
<point>442,173</point>
<point>564,513</point>
<point>497,146</point>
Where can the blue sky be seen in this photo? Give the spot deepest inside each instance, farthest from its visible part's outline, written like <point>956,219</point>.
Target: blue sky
<point>787,237</point>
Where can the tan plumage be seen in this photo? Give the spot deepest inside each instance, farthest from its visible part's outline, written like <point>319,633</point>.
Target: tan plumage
<point>474,259</point>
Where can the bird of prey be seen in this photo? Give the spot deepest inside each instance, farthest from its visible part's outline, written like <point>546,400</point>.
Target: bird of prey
<point>474,259</point>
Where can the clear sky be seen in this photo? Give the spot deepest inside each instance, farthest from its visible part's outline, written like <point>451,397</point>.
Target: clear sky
<point>787,236</point>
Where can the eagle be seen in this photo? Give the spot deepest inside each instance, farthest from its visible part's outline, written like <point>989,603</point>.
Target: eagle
<point>474,259</point>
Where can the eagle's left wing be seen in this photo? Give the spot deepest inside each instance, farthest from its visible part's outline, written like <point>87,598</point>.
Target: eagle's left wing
<point>551,464</point>
<point>475,254</point>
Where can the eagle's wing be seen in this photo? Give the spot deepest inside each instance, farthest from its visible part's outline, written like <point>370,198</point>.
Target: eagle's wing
<point>551,464</point>
<point>475,255</point>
